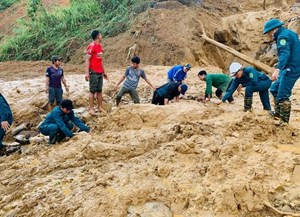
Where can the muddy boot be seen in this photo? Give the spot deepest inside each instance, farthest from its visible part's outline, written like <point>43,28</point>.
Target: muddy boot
<point>52,139</point>
<point>2,150</point>
<point>277,110</point>
<point>285,112</point>
<point>13,149</point>
<point>247,104</point>
<point>60,137</point>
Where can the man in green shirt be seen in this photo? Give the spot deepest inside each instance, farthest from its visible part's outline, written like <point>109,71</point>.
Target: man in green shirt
<point>219,81</point>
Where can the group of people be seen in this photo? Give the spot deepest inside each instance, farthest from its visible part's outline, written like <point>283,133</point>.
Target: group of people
<point>59,123</point>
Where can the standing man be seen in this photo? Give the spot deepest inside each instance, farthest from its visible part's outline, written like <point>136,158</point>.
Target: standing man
<point>167,92</point>
<point>178,73</point>
<point>95,71</point>
<point>219,81</point>
<point>132,75</point>
<point>253,81</point>
<point>287,70</point>
<point>59,122</point>
<point>54,78</point>
<point>6,119</point>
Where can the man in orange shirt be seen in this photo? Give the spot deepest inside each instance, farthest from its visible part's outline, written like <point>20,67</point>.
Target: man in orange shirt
<point>95,71</point>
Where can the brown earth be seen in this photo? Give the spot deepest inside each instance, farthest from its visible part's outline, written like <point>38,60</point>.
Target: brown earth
<point>192,159</point>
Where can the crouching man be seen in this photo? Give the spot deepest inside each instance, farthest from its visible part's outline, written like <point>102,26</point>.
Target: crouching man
<point>6,120</point>
<point>59,123</point>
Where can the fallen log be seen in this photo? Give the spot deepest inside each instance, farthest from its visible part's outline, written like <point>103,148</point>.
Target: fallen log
<point>259,65</point>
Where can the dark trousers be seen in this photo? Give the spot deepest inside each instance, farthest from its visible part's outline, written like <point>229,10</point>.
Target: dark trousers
<point>262,88</point>
<point>52,130</point>
<point>157,99</point>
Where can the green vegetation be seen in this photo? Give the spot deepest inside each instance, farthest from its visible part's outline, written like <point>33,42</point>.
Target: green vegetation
<point>6,3</point>
<point>64,30</point>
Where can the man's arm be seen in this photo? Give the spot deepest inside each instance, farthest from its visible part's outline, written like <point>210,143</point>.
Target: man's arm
<point>149,83</point>
<point>166,101</point>
<point>120,81</point>
<point>87,67</point>
<point>4,114</point>
<point>78,122</point>
<point>208,90</point>
<point>47,81</point>
<point>64,81</point>
<point>61,124</point>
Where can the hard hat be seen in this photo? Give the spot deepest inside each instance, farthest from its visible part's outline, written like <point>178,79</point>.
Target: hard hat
<point>234,68</point>
<point>272,24</point>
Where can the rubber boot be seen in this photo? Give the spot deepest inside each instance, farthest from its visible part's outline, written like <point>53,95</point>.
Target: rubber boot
<point>247,104</point>
<point>285,111</point>
<point>277,109</point>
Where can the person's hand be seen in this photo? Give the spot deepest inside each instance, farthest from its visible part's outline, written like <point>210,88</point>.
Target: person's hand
<point>87,76</point>
<point>207,99</point>
<point>5,125</point>
<point>105,76</point>
<point>240,87</point>
<point>218,102</point>
<point>46,89</point>
<point>116,87</point>
<point>275,74</point>
<point>154,87</point>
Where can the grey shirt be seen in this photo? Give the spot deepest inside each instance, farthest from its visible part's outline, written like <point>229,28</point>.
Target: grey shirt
<point>132,77</point>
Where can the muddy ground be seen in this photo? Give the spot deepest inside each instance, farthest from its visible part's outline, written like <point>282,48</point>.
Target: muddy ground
<point>185,159</point>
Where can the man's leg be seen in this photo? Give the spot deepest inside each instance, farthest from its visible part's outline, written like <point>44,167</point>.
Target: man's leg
<point>99,92</point>
<point>274,91</point>
<point>51,98</point>
<point>119,96</point>
<point>61,135</point>
<point>2,147</point>
<point>134,96</point>
<point>50,130</point>
<point>93,89</point>
<point>284,92</point>
<point>59,95</point>
<point>248,99</point>
<point>263,88</point>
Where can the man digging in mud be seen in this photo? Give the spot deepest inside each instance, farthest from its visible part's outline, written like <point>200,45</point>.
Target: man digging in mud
<point>6,119</point>
<point>287,70</point>
<point>219,81</point>
<point>165,93</point>
<point>95,71</point>
<point>132,75</point>
<point>253,81</point>
<point>178,73</point>
<point>54,78</point>
<point>58,123</point>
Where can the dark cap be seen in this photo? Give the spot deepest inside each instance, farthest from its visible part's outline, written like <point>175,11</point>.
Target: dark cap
<point>188,66</point>
<point>68,104</point>
<point>183,88</point>
<point>55,58</point>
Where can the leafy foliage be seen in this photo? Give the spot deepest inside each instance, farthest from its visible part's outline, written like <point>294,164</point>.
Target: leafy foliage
<point>64,30</point>
<point>6,3</point>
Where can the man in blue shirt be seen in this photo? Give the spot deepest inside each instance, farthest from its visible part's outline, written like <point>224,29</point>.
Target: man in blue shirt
<point>54,78</point>
<point>6,119</point>
<point>58,123</point>
<point>163,94</point>
<point>253,81</point>
<point>178,73</point>
<point>287,70</point>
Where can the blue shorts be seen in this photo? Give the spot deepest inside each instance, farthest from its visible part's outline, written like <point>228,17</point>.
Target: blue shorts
<point>55,94</point>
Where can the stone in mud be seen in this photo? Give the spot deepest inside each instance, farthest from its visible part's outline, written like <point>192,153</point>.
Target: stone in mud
<point>19,128</point>
<point>150,209</point>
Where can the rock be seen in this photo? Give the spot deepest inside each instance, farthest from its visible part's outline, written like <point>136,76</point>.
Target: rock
<point>222,36</point>
<point>287,208</point>
<point>37,139</point>
<point>19,128</point>
<point>150,209</point>
<point>80,110</point>
<point>29,134</point>
<point>22,139</point>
